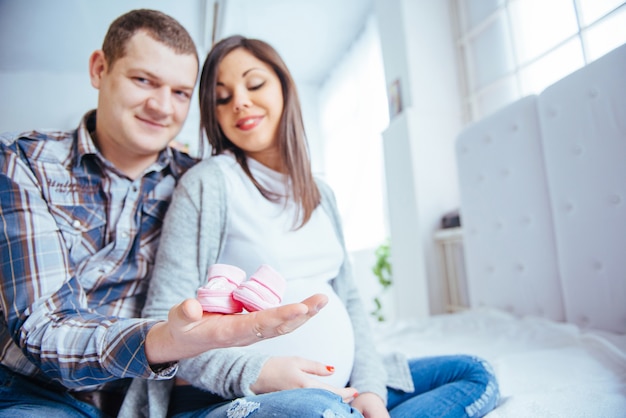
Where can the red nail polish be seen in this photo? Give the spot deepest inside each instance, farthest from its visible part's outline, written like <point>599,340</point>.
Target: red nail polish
<point>356,394</point>
<point>330,368</point>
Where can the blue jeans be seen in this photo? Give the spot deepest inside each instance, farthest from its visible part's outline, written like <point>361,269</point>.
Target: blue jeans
<point>23,398</point>
<point>300,403</point>
<point>445,386</point>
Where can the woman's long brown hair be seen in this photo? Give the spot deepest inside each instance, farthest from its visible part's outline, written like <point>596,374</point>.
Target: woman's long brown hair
<point>292,140</point>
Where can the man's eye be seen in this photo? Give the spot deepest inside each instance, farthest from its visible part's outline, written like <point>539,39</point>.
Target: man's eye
<point>183,94</point>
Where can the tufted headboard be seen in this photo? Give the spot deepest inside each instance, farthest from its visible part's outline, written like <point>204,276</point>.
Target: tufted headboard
<point>543,200</point>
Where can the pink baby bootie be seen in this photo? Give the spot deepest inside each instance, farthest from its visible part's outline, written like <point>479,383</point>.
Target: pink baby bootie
<point>217,294</point>
<point>264,290</point>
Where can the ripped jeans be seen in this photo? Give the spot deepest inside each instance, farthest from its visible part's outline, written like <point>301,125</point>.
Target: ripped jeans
<point>445,386</point>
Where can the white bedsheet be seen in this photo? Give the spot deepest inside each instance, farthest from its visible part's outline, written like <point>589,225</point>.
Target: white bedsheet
<point>545,369</point>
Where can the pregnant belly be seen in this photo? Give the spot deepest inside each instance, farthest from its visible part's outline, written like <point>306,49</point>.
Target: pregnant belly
<point>327,338</point>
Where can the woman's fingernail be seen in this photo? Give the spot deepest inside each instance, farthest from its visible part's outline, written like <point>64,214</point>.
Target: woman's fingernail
<point>330,368</point>
<point>356,394</point>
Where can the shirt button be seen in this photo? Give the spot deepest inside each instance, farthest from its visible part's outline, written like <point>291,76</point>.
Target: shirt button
<point>125,234</point>
<point>76,223</point>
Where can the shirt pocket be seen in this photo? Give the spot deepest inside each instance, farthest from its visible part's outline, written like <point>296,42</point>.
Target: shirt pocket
<point>83,228</point>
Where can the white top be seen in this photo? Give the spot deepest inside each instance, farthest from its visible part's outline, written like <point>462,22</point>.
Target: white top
<point>261,232</point>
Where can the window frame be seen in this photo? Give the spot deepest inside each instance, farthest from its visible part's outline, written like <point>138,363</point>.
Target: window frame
<point>473,109</point>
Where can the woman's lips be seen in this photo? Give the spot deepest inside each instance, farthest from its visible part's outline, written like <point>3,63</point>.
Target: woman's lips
<point>248,123</point>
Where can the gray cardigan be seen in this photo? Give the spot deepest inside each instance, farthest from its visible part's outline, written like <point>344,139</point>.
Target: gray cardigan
<point>195,226</point>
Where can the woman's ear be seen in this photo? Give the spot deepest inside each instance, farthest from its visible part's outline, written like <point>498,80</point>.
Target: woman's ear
<point>97,67</point>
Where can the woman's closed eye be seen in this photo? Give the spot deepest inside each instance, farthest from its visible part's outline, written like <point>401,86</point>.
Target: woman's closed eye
<point>256,86</point>
<point>222,100</point>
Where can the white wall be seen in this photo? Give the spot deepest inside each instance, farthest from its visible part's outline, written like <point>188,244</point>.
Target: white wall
<point>422,184</point>
<point>55,91</point>
<point>44,100</point>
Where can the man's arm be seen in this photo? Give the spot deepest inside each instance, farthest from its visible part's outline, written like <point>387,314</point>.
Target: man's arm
<point>43,302</point>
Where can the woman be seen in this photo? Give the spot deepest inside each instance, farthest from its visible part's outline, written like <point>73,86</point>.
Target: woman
<point>255,201</point>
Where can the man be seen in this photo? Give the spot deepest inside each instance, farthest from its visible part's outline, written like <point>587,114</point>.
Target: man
<point>80,218</point>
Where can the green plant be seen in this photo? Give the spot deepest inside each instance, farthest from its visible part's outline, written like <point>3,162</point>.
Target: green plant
<point>382,270</point>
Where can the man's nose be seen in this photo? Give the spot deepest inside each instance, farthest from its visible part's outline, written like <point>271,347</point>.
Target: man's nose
<point>161,101</point>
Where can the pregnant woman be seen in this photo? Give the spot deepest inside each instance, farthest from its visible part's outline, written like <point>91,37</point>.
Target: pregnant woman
<point>255,202</point>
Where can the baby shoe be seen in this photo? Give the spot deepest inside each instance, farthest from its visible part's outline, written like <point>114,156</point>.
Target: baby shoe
<point>217,294</point>
<point>264,290</point>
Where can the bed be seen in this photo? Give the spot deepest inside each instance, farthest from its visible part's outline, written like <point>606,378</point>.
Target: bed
<point>543,209</point>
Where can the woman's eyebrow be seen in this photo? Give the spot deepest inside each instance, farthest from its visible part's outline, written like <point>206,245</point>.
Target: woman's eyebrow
<point>245,73</point>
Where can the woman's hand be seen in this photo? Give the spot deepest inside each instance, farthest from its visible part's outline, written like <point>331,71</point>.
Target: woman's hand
<point>284,373</point>
<point>189,331</point>
<point>370,405</point>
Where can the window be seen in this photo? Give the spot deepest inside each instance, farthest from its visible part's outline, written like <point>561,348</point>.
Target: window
<point>512,48</point>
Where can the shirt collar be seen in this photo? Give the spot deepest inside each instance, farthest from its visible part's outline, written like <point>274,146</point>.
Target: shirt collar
<point>86,146</point>
<point>84,142</point>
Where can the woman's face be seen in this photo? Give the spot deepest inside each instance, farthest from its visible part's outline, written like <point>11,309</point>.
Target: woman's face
<point>250,105</point>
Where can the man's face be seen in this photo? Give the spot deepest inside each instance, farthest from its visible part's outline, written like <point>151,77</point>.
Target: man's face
<point>143,101</point>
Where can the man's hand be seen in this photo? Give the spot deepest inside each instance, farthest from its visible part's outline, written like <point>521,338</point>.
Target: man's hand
<point>284,373</point>
<point>189,331</point>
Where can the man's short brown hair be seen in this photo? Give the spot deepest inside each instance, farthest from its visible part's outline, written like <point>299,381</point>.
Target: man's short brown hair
<point>158,25</point>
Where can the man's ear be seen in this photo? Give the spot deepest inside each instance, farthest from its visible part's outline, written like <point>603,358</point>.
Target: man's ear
<point>97,67</point>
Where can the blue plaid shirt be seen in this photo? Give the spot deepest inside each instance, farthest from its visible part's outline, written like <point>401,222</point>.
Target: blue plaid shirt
<point>77,246</point>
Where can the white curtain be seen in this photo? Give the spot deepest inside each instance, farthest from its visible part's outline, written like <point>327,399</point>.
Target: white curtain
<point>353,113</point>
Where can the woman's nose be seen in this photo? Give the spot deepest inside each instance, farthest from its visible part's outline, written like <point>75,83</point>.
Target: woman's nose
<point>241,100</point>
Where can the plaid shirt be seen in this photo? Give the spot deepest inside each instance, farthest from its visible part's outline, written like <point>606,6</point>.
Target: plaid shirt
<point>77,246</point>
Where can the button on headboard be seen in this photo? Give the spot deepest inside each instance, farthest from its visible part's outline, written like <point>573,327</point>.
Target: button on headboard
<point>583,120</point>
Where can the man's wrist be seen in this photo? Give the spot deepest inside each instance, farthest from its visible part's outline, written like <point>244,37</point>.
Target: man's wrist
<point>159,347</point>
